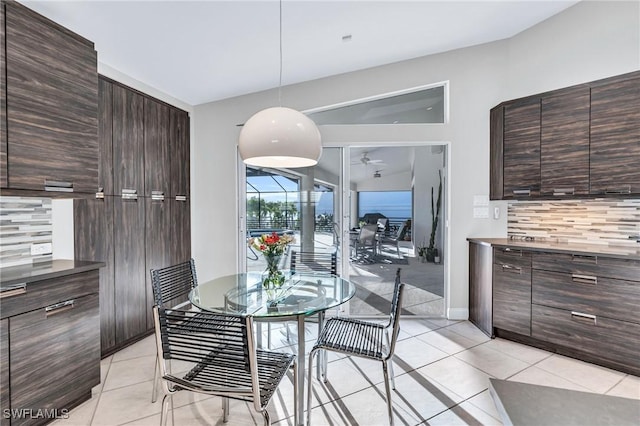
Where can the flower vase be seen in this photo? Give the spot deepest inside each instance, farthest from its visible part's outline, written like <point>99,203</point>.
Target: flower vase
<point>272,277</point>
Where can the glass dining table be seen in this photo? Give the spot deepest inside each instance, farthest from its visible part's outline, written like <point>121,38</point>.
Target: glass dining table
<point>301,295</point>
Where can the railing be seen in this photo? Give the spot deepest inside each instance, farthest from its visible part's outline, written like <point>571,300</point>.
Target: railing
<point>320,225</point>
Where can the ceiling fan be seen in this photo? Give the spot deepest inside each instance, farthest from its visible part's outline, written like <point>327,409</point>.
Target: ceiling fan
<point>365,160</point>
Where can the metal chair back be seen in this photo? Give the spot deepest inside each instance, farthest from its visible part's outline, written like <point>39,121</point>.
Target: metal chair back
<point>367,235</point>
<point>306,261</point>
<point>394,315</point>
<point>172,284</point>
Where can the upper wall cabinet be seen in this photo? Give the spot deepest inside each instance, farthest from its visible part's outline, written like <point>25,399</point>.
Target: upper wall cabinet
<point>615,136</point>
<point>579,141</point>
<point>51,105</point>
<point>179,154</point>
<point>128,142</point>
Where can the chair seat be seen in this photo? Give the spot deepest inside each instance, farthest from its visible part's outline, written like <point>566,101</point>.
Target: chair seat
<point>230,375</point>
<point>353,337</point>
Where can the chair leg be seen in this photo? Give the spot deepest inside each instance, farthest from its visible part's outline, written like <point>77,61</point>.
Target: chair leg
<point>265,416</point>
<point>164,413</point>
<point>398,248</point>
<point>388,391</point>
<point>225,410</point>
<point>309,385</point>
<point>154,390</point>
<point>393,379</point>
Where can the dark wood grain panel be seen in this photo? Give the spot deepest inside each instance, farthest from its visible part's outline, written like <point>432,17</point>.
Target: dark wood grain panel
<point>93,223</point>
<point>617,299</point>
<point>180,231</point>
<point>480,287</point>
<point>496,153</point>
<point>52,100</point>
<point>603,338</point>
<point>564,143</point>
<point>130,283</point>
<point>522,148</point>
<point>180,151</point>
<point>615,137</point>
<point>54,356</point>
<point>3,106</point>
<point>105,136</point>
<point>128,140</point>
<point>48,292</point>
<point>610,267</point>
<point>512,256</point>
<point>157,165</point>
<point>158,245</point>
<point>5,398</point>
<point>512,299</point>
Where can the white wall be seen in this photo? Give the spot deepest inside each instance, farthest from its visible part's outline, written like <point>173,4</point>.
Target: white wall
<point>425,178</point>
<point>587,41</point>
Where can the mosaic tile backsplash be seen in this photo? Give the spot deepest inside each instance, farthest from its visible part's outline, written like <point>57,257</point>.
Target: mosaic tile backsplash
<point>23,222</point>
<point>599,221</point>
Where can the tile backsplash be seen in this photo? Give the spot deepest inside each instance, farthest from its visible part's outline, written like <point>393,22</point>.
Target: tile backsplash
<point>23,222</point>
<point>599,221</point>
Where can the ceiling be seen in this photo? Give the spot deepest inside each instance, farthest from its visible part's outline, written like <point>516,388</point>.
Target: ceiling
<point>202,51</point>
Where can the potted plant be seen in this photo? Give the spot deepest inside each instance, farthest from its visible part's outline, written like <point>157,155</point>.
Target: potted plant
<point>422,252</point>
<point>432,251</point>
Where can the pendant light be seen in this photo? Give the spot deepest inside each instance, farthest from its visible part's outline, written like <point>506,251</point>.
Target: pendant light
<point>280,137</point>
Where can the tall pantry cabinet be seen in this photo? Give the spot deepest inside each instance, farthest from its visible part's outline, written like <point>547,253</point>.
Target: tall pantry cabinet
<point>142,206</point>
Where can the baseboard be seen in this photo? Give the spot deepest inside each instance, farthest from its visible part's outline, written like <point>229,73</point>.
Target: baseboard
<point>455,314</point>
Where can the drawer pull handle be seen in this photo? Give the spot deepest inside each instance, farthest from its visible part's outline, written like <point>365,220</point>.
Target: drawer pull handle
<point>582,317</point>
<point>580,258</point>
<point>59,307</point>
<point>157,195</point>
<point>584,279</point>
<point>512,269</point>
<point>624,190</point>
<point>13,290</point>
<point>526,192</point>
<point>130,194</point>
<point>181,198</point>
<point>54,185</point>
<point>564,191</point>
<point>512,252</point>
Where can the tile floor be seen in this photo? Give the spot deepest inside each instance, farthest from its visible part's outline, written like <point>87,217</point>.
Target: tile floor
<point>442,369</point>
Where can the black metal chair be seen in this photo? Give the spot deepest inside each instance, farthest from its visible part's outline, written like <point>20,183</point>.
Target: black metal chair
<point>316,261</point>
<point>366,241</point>
<point>362,339</point>
<point>225,363</point>
<point>171,286</point>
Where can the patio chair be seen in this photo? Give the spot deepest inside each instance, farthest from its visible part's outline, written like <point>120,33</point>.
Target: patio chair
<point>395,240</point>
<point>362,339</point>
<point>366,241</point>
<point>225,363</point>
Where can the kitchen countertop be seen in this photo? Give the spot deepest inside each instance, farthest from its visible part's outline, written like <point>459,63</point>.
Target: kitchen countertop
<point>527,404</point>
<point>623,252</point>
<point>46,270</point>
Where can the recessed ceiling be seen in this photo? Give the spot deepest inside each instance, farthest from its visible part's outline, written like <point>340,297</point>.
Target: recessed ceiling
<point>202,51</point>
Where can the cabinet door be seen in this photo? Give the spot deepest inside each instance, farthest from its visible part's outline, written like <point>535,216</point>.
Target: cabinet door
<point>54,355</point>
<point>4,369</point>
<point>564,143</point>
<point>180,178</point>
<point>615,137</point>
<point>512,298</point>
<point>180,231</point>
<point>3,106</point>
<point>105,136</point>
<point>52,103</point>
<point>128,141</point>
<point>93,223</point>
<point>496,153</point>
<point>158,245</point>
<point>522,149</point>
<point>480,297</point>
<point>156,149</point>
<point>130,291</point>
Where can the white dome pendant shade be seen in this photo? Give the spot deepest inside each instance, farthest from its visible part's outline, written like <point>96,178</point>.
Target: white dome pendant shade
<point>280,137</point>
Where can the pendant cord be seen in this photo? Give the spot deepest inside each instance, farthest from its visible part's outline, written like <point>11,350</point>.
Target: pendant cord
<point>280,84</point>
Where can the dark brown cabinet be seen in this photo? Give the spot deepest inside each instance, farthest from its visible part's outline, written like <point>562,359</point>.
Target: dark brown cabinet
<point>180,230</point>
<point>50,339</point>
<point>3,106</point>
<point>564,143</point>
<point>615,136</point>
<point>105,137</point>
<point>180,179</point>
<point>522,149</point>
<point>480,286</point>
<point>51,105</point>
<point>128,142</point>
<point>157,238</point>
<point>512,290</point>
<point>578,141</point>
<point>129,268</point>
<point>157,165</point>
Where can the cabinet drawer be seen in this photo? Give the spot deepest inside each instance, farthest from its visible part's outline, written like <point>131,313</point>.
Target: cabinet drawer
<point>512,257</point>
<point>512,299</point>
<point>613,340</point>
<point>55,354</point>
<point>617,299</point>
<point>48,292</point>
<point>622,269</point>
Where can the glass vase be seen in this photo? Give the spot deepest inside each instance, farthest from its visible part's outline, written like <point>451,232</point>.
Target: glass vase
<point>272,277</point>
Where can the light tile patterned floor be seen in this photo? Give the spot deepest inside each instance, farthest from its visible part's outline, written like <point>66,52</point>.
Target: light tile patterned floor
<point>442,374</point>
